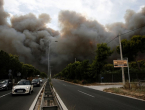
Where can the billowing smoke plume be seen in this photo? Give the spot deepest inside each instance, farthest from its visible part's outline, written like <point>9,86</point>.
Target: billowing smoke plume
<point>29,37</point>
<point>3,14</point>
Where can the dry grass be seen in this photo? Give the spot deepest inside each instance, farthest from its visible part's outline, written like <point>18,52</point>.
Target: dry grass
<point>137,93</point>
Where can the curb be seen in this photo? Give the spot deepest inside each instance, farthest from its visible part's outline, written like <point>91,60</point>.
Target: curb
<point>125,96</point>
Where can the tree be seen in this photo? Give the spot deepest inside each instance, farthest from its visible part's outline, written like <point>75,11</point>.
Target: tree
<point>102,53</point>
<point>108,67</point>
<point>131,48</point>
<point>4,62</point>
<point>43,75</point>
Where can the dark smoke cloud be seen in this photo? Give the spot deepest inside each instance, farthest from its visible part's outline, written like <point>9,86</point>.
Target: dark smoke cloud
<point>30,22</point>
<point>3,14</point>
<point>29,37</point>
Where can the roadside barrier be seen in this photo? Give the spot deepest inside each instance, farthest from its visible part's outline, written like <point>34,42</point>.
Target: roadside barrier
<point>47,99</point>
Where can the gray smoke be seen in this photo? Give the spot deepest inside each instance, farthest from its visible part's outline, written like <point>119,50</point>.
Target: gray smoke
<point>3,14</point>
<point>29,37</point>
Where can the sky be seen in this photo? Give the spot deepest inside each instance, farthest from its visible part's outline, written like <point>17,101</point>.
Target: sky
<point>104,11</point>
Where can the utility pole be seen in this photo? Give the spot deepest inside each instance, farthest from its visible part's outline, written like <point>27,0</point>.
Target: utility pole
<point>48,59</point>
<point>123,77</point>
<point>128,71</point>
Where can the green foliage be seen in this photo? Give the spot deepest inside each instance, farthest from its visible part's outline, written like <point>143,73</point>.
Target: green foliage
<point>43,75</point>
<point>130,48</point>
<point>102,53</point>
<point>84,71</point>
<point>108,67</point>
<point>9,61</point>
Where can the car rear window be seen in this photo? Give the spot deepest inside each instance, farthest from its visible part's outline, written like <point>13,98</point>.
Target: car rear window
<point>23,83</point>
<point>35,80</point>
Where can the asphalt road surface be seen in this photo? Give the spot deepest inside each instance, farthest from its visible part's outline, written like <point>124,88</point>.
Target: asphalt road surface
<point>82,98</point>
<point>18,102</point>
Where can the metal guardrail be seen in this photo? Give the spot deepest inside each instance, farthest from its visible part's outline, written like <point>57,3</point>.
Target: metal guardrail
<point>48,99</point>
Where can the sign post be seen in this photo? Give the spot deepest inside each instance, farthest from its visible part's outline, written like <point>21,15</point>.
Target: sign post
<point>122,64</point>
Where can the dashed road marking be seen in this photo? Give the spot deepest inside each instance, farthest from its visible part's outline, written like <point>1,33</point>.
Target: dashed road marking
<point>86,93</point>
<point>4,95</point>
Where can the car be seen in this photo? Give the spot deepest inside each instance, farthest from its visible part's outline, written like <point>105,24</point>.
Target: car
<point>22,79</point>
<point>36,82</point>
<point>6,84</point>
<point>22,87</point>
<point>41,80</point>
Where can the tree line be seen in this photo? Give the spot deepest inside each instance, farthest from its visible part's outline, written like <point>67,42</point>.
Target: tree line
<point>11,62</point>
<point>101,70</point>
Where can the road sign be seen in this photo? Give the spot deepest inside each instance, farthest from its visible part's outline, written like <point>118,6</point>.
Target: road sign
<point>120,63</point>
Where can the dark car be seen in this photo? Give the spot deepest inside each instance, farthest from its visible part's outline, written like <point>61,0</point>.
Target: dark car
<point>22,79</point>
<point>41,80</point>
<point>36,82</point>
<point>6,84</point>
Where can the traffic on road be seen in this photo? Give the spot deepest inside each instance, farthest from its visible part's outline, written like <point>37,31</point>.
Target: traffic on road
<point>20,96</point>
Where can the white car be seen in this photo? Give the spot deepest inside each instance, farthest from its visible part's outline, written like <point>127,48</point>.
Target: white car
<point>23,87</point>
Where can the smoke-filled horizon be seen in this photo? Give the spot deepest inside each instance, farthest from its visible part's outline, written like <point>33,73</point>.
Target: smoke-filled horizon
<point>28,36</point>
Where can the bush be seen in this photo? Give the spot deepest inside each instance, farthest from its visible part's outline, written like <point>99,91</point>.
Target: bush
<point>84,82</point>
<point>134,86</point>
<point>127,85</point>
<point>75,81</point>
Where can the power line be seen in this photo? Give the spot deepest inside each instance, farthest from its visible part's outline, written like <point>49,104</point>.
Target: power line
<point>125,33</point>
<point>112,39</point>
<point>132,30</point>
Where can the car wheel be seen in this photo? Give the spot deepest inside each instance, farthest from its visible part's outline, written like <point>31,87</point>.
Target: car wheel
<point>12,94</point>
<point>30,92</point>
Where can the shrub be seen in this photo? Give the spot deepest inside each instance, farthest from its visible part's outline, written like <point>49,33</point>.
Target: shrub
<point>134,86</point>
<point>127,85</point>
<point>84,82</point>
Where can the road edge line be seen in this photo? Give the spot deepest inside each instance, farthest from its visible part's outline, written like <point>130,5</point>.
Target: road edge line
<point>118,94</point>
<point>60,101</point>
<point>35,100</point>
<point>125,96</point>
<point>104,91</point>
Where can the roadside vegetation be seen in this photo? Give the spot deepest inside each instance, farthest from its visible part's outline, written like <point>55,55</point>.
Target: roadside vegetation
<point>132,90</point>
<point>100,70</point>
<point>11,62</point>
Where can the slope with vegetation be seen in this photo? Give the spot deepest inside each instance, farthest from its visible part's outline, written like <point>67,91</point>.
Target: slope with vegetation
<point>9,61</point>
<point>102,71</point>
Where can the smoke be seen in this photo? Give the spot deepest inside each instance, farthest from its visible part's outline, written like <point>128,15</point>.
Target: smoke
<point>3,14</point>
<point>29,37</point>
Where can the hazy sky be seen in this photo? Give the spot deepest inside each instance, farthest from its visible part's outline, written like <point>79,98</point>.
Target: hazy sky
<point>104,11</point>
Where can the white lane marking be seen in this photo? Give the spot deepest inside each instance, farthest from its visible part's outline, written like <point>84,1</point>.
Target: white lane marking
<point>4,95</point>
<point>35,100</point>
<point>86,93</point>
<point>60,101</point>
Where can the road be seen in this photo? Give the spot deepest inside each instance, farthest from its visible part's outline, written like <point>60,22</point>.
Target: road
<point>18,102</point>
<point>81,98</point>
